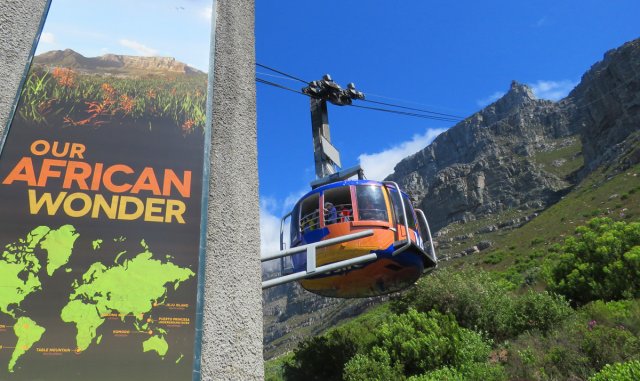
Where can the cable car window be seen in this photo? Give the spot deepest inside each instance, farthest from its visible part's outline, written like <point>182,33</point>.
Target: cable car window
<point>309,214</point>
<point>337,205</point>
<point>397,206</point>
<point>295,223</point>
<point>409,209</point>
<point>371,203</point>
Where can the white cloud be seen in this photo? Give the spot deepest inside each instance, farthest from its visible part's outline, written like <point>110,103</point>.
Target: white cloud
<point>206,13</point>
<point>47,38</point>
<point>490,99</point>
<point>291,200</point>
<point>552,90</point>
<point>379,165</point>
<point>137,47</point>
<point>270,231</point>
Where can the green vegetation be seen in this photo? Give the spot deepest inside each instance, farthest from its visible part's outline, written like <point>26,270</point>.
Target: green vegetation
<point>470,324</point>
<point>482,301</point>
<point>74,99</point>
<point>629,371</point>
<point>601,262</point>
<point>563,161</point>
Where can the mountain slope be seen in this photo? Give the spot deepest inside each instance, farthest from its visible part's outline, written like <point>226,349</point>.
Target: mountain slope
<point>115,64</point>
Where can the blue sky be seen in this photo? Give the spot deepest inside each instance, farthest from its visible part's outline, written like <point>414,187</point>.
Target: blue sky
<point>447,56</point>
<point>176,28</point>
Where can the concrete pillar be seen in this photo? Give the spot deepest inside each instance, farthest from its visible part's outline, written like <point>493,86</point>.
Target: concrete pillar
<point>19,26</point>
<point>232,329</point>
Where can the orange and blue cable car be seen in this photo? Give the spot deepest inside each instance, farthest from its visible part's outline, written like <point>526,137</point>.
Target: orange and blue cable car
<point>347,207</point>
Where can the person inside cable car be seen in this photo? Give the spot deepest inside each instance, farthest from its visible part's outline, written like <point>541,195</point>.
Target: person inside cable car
<point>345,213</point>
<point>330,213</point>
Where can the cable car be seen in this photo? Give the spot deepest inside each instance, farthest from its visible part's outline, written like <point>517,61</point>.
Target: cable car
<point>347,207</point>
<point>350,238</point>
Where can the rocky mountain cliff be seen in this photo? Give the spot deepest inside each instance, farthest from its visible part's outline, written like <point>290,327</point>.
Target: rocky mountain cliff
<point>494,161</point>
<point>115,64</point>
<point>493,172</point>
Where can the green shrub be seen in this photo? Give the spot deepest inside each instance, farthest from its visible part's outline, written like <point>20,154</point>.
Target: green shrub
<point>375,366</point>
<point>426,341</point>
<point>466,372</point>
<point>598,334</point>
<point>494,258</point>
<point>481,302</point>
<point>322,357</point>
<point>538,310</point>
<point>622,314</point>
<point>537,241</point>
<point>472,296</point>
<point>628,371</point>
<point>603,345</point>
<point>601,262</point>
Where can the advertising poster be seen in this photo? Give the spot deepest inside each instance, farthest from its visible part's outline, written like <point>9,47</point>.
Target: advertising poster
<point>101,182</point>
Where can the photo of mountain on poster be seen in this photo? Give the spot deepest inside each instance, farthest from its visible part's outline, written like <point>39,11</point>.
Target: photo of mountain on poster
<point>100,191</point>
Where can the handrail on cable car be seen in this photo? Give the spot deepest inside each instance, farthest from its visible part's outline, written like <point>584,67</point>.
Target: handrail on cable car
<point>311,258</point>
<point>282,229</point>
<point>404,215</point>
<point>434,257</point>
<point>282,246</point>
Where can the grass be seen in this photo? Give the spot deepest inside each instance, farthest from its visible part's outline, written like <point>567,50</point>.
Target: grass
<point>570,156</point>
<point>600,194</point>
<point>76,99</point>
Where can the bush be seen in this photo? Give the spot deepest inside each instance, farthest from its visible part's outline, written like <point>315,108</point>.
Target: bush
<point>537,241</point>
<point>601,262</point>
<point>376,366</point>
<point>467,372</point>
<point>322,357</point>
<point>598,334</point>
<point>423,342</point>
<point>483,303</point>
<point>622,314</point>
<point>472,296</point>
<point>494,258</point>
<point>538,310</point>
<point>415,343</point>
<point>628,371</point>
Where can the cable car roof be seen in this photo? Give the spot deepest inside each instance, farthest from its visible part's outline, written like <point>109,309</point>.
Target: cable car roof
<point>343,183</point>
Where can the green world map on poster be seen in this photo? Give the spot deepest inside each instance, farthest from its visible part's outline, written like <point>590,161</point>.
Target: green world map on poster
<point>102,292</point>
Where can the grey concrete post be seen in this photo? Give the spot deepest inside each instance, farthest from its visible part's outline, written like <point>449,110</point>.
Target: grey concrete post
<point>19,25</point>
<point>232,329</point>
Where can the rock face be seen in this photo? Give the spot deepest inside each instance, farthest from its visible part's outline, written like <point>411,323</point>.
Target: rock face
<point>289,310</point>
<point>491,161</point>
<point>485,165</point>
<point>607,106</point>
<point>113,63</point>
